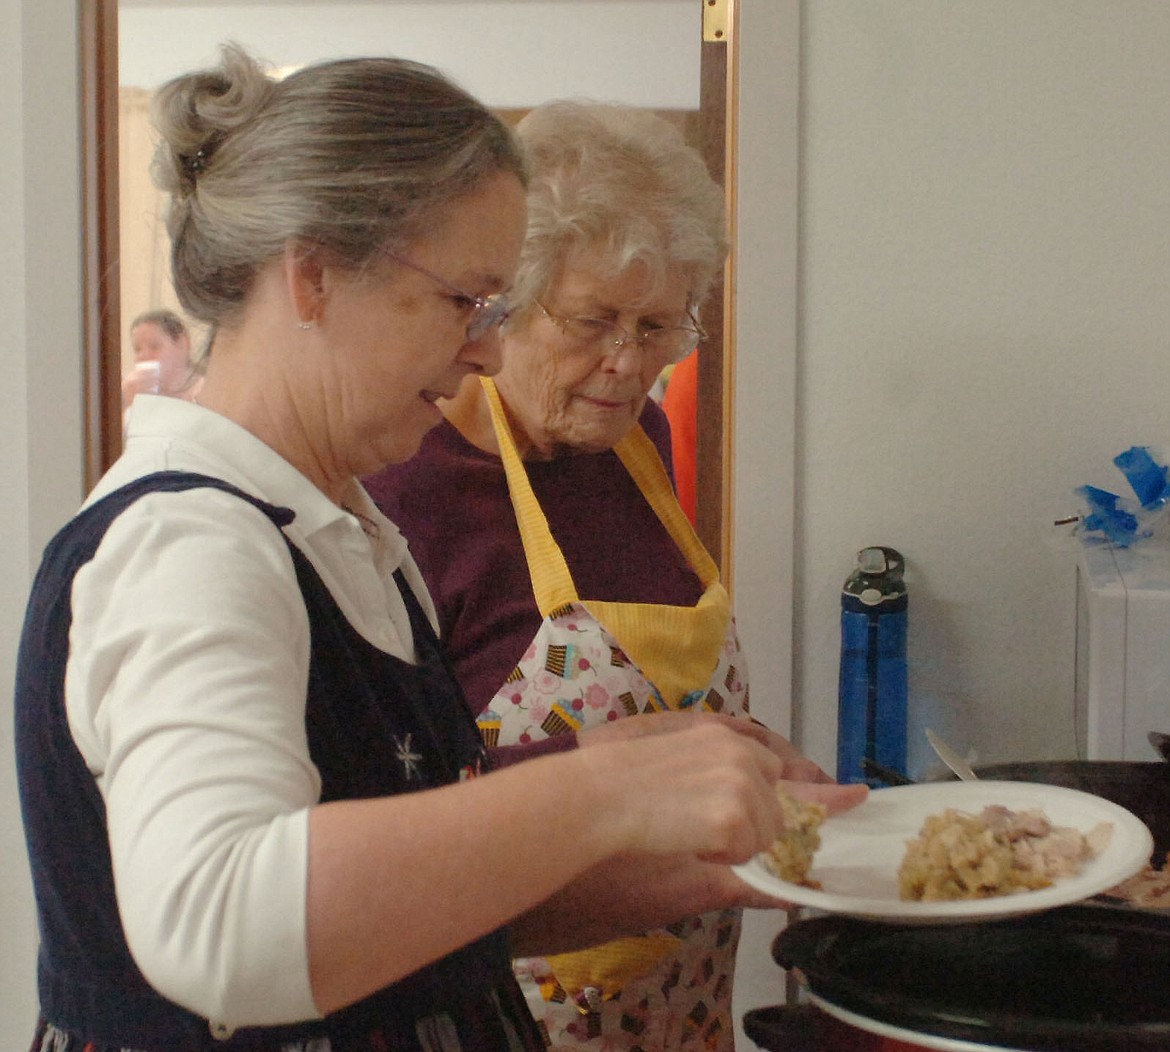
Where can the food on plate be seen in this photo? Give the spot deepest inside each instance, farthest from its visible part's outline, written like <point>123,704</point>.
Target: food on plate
<point>996,852</point>
<point>1150,888</point>
<point>790,856</point>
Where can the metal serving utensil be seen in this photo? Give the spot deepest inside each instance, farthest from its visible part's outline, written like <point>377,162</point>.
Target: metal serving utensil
<point>951,757</point>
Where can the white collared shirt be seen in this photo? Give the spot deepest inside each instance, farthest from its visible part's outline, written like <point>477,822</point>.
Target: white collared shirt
<point>185,692</point>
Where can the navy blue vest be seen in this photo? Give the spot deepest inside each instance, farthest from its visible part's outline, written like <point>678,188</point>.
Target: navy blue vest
<point>376,726</point>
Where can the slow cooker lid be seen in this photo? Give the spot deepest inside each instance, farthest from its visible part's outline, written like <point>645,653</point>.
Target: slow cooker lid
<point>1078,978</point>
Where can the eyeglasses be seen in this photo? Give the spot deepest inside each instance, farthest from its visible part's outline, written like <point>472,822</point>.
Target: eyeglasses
<point>488,312</point>
<point>584,335</point>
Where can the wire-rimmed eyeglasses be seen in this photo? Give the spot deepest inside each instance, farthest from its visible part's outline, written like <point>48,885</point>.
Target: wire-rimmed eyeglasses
<point>487,312</point>
<point>671,343</point>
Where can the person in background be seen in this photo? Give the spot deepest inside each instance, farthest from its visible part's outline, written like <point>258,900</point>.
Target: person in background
<point>162,358</point>
<point>258,810</point>
<point>576,600</point>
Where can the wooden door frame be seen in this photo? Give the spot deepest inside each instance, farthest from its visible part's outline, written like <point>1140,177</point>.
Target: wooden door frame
<point>102,316</point>
<point>716,382</point>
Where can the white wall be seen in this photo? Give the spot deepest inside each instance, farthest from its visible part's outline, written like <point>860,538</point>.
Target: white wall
<point>766,224</point>
<point>985,319</point>
<point>16,942</point>
<point>510,53</point>
<point>40,399</point>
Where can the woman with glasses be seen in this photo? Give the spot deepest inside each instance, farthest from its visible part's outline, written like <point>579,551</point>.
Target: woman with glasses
<point>571,588</point>
<point>253,794</point>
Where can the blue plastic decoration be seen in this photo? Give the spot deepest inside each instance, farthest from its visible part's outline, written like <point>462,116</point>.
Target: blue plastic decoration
<point>1146,476</point>
<point>1119,525</point>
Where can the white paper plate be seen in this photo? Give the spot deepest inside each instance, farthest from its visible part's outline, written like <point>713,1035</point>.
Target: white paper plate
<point>861,850</point>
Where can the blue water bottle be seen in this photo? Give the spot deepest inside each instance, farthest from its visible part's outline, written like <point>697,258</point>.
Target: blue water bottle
<point>871,717</point>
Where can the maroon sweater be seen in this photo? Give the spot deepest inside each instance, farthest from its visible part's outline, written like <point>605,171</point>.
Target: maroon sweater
<point>452,503</point>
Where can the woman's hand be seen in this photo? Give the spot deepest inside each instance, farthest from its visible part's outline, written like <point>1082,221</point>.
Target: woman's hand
<point>797,767</point>
<point>836,797</point>
<point>687,795</point>
<point>706,790</point>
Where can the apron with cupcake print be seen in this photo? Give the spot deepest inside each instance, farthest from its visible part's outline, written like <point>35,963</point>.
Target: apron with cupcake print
<point>592,662</point>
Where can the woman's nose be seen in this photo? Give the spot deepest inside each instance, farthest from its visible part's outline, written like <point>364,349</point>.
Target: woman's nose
<point>485,354</point>
<point>623,354</point>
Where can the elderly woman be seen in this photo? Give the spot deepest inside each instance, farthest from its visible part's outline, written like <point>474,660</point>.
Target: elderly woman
<point>247,775</point>
<point>572,590</point>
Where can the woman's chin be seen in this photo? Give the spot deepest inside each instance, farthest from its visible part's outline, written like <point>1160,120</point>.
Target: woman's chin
<point>606,434</point>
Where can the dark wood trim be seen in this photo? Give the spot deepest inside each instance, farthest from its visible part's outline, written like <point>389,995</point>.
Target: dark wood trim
<point>100,280</point>
<point>711,491</point>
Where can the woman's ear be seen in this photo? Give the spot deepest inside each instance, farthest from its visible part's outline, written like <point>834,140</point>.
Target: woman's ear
<point>304,278</point>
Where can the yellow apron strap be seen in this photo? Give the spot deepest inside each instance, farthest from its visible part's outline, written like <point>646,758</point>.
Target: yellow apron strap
<point>676,647</point>
<point>641,459</point>
<point>552,584</point>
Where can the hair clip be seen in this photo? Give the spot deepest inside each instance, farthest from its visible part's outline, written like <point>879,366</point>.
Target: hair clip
<point>196,163</point>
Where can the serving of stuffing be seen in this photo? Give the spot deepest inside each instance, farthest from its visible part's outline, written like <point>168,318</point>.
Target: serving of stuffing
<point>790,856</point>
<point>958,855</point>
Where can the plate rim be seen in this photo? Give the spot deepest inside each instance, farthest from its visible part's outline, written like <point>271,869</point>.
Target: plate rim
<point>754,872</point>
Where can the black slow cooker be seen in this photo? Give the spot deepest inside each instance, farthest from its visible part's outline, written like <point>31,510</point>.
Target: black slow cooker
<point>1083,978</point>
